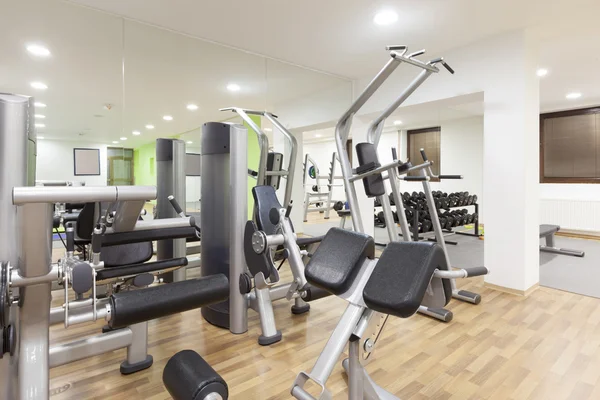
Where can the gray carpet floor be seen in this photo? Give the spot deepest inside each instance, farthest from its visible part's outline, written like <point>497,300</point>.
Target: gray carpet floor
<point>568,273</point>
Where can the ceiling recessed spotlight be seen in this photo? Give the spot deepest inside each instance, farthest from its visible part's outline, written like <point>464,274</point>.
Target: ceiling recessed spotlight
<point>115,142</point>
<point>168,118</point>
<point>149,126</point>
<point>573,96</point>
<point>136,133</point>
<point>385,17</point>
<point>40,125</point>
<point>542,72</point>
<point>39,105</point>
<point>123,138</point>
<point>268,130</point>
<point>41,137</point>
<point>39,116</point>
<point>189,142</point>
<point>192,107</point>
<point>233,87</point>
<point>38,50</point>
<point>397,122</point>
<point>39,85</point>
<point>318,135</point>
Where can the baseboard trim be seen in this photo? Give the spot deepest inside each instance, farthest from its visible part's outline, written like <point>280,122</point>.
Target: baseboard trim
<point>516,292</point>
<point>579,234</point>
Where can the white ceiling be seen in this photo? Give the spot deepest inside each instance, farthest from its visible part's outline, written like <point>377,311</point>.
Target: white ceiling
<point>339,36</point>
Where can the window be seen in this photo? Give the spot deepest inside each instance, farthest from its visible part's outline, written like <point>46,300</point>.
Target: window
<point>429,140</point>
<point>119,166</point>
<point>570,146</point>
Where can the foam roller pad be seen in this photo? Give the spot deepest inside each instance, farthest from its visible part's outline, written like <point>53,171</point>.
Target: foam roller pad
<point>188,377</point>
<point>128,308</point>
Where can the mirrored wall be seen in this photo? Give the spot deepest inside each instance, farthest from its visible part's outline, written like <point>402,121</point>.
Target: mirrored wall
<point>105,82</point>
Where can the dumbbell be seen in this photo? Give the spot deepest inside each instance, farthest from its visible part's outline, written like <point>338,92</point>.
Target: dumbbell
<point>338,206</point>
<point>427,226</point>
<point>381,217</point>
<point>395,215</point>
<point>377,203</point>
<point>315,188</point>
<point>392,202</point>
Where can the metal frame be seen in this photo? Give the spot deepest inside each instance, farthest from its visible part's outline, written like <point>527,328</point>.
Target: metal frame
<point>263,142</point>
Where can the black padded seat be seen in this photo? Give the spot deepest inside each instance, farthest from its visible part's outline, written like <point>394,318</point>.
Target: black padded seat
<point>336,262</point>
<point>400,278</point>
<point>546,230</point>
<point>305,241</point>
<point>343,213</point>
<point>125,254</point>
<point>265,199</point>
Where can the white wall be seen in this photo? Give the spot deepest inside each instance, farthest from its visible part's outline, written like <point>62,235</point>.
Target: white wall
<point>55,161</point>
<point>461,151</point>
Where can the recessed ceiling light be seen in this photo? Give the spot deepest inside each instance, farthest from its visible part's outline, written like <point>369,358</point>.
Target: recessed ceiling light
<point>38,50</point>
<point>39,116</point>
<point>39,85</point>
<point>573,96</point>
<point>385,17</point>
<point>149,126</point>
<point>136,133</point>
<point>39,105</point>
<point>542,72</point>
<point>115,142</point>
<point>41,137</point>
<point>318,135</point>
<point>192,107</point>
<point>123,138</point>
<point>40,125</point>
<point>233,87</point>
<point>397,122</point>
<point>189,142</point>
<point>168,118</point>
<point>268,129</point>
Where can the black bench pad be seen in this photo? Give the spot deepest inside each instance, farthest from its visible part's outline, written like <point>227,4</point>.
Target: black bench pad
<point>336,262</point>
<point>400,278</point>
<point>546,230</point>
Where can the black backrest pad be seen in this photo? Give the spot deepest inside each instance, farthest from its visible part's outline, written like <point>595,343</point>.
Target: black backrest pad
<point>125,254</point>
<point>367,153</point>
<point>85,222</point>
<point>338,259</point>
<point>401,276</point>
<point>265,199</point>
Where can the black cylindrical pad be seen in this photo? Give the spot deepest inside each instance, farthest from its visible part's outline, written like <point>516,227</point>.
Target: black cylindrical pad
<point>187,376</point>
<point>136,306</point>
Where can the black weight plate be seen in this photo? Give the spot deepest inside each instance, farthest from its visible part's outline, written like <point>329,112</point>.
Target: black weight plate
<point>5,306</point>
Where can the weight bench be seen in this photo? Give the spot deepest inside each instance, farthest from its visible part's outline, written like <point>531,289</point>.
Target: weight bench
<point>547,231</point>
<point>406,275</point>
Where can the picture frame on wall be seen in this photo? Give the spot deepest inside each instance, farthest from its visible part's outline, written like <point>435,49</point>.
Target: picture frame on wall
<point>86,162</point>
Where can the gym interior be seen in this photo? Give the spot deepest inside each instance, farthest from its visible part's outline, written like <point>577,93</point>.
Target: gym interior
<point>310,200</point>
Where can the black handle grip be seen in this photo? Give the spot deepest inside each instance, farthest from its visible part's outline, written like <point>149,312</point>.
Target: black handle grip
<point>476,271</point>
<point>394,154</point>
<point>424,155</point>
<point>288,211</point>
<point>96,242</point>
<point>175,205</point>
<point>449,68</point>
<point>313,293</point>
<point>70,233</point>
<point>415,178</point>
<point>450,176</point>
<point>252,172</point>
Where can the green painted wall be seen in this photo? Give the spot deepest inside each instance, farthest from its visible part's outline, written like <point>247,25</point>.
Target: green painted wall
<point>144,163</point>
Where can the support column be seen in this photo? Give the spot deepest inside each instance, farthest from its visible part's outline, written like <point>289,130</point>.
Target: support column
<point>511,166</point>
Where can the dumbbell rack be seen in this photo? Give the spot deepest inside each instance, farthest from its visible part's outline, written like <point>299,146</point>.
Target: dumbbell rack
<point>475,222</point>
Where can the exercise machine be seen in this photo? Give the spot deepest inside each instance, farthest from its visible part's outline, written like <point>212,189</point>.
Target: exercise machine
<point>406,275</point>
<point>547,232</point>
<point>373,174</point>
<point>321,200</point>
<point>26,271</point>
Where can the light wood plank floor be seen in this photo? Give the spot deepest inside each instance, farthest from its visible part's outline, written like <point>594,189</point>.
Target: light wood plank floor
<point>545,346</point>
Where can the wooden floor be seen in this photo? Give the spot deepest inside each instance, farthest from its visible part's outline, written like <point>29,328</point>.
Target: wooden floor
<point>545,346</point>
